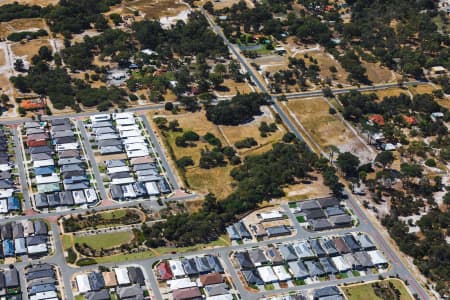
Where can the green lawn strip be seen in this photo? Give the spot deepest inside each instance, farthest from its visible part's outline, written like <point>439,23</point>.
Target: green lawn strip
<point>366,291</point>
<point>105,240</point>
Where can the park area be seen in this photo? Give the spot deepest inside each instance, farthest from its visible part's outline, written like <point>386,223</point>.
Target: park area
<point>17,25</point>
<point>105,240</point>
<point>380,290</point>
<point>312,115</point>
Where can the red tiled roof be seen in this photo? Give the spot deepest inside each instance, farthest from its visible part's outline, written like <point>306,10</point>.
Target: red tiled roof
<point>212,278</point>
<point>377,119</point>
<point>165,273</point>
<point>187,294</point>
<point>410,120</point>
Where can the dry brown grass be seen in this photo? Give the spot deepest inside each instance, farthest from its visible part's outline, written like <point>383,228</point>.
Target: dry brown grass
<point>156,8</point>
<point>422,89</point>
<point>237,133</point>
<point>234,88</point>
<point>325,61</point>
<point>216,180</point>
<point>32,2</point>
<point>4,82</point>
<point>29,49</point>
<point>2,57</point>
<point>326,129</point>
<point>307,190</point>
<point>388,93</point>
<point>32,24</point>
<point>378,74</point>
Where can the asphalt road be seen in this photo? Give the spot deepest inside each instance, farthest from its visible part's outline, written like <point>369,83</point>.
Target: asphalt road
<point>93,163</point>
<point>365,224</point>
<point>20,166</point>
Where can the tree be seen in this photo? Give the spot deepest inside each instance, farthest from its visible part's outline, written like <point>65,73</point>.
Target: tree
<point>173,125</point>
<point>184,162</point>
<point>19,65</point>
<point>45,53</point>
<point>447,199</point>
<point>216,79</point>
<point>288,137</point>
<point>348,163</point>
<point>168,106</point>
<point>385,158</point>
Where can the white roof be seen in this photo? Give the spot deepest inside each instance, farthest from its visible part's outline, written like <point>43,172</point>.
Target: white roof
<point>47,179</point>
<point>6,193</point>
<point>136,146</point>
<point>100,118</point>
<point>271,215</point>
<point>43,163</point>
<point>127,127</point>
<point>181,283</point>
<point>281,273</point>
<point>176,267</point>
<point>123,115</point>
<point>128,191</point>
<point>130,133</point>
<point>36,249</point>
<point>83,283</point>
<point>376,257</point>
<point>130,121</point>
<point>68,146</point>
<point>152,188</point>
<point>267,275</point>
<point>44,295</point>
<point>107,136</point>
<point>122,276</point>
<point>91,195</point>
<point>78,197</point>
<point>149,52</point>
<point>123,180</point>
<point>340,263</point>
<point>133,139</point>
<point>118,169</point>
<point>5,167</point>
<point>137,153</point>
<point>221,297</point>
<point>303,249</point>
<point>3,206</point>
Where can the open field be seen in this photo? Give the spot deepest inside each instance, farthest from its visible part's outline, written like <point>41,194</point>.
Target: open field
<point>307,190</point>
<point>32,24</point>
<point>234,88</point>
<point>216,180</point>
<point>31,2</point>
<point>29,49</point>
<point>326,129</point>
<point>422,89</point>
<point>2,57</point>
<point>378,74</point>
<point>4,82</point>
<point>388,92</point>
<point>366,291</point>
<point>325,61</point>
<point>237,133</point>
<point>156,8</point>
<point>105,240</point>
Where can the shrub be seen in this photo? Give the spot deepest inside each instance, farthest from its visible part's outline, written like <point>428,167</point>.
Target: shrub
<point>246,143</point>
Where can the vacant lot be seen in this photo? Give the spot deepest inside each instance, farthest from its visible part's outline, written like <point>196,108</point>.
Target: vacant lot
<point>326,129</point>
<point>2,57</point>
<point>237,133</point>
<point>307,189</point>
<point>325,61</point>
<point>105,240</point>
<point>231,88</point>
<point>32,24</point>
<point>4,82</point>
<point>31,2</point>
<point>29,49</point>
<point>156,8</point>
<point>377,73</point>
<point>388,92</point>
<point>367,292</point>
<point>422,89</point>
<point>216,180</point>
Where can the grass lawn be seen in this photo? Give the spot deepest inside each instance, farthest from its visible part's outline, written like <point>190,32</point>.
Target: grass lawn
<point>66,241</point>
<point>115,214</point>
<point>356,273</point>
<point>341,275</point>
<point>105,240</point>
<point>292,204</point>
<point>269,287</point>
<point>422,89</point>
<point>298,282</point>
<point>366,291</point>
<point>300,219</point>
<point>79,297</point>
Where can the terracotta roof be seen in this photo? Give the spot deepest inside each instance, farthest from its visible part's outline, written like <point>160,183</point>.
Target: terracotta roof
<point>164,271</point>
<point>110,279</point>
<point>32,104</point>
<point>377,119</point>
<point>212,278</point>
<point>410,120</point>
<point>185,294</point>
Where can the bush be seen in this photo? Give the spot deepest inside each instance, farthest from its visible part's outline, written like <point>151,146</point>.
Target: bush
<point>212,139</point>
<point>191,136</point>
<point>18,36</point>
<point>288,137</point>
<point>184,162</point>
<point>168,106</point>
<point>86,262</point>
<point>211,159</point>
<point>235,160</point>
<point>430,163</point>
<point>246,143</point>
<point>331,111</point>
